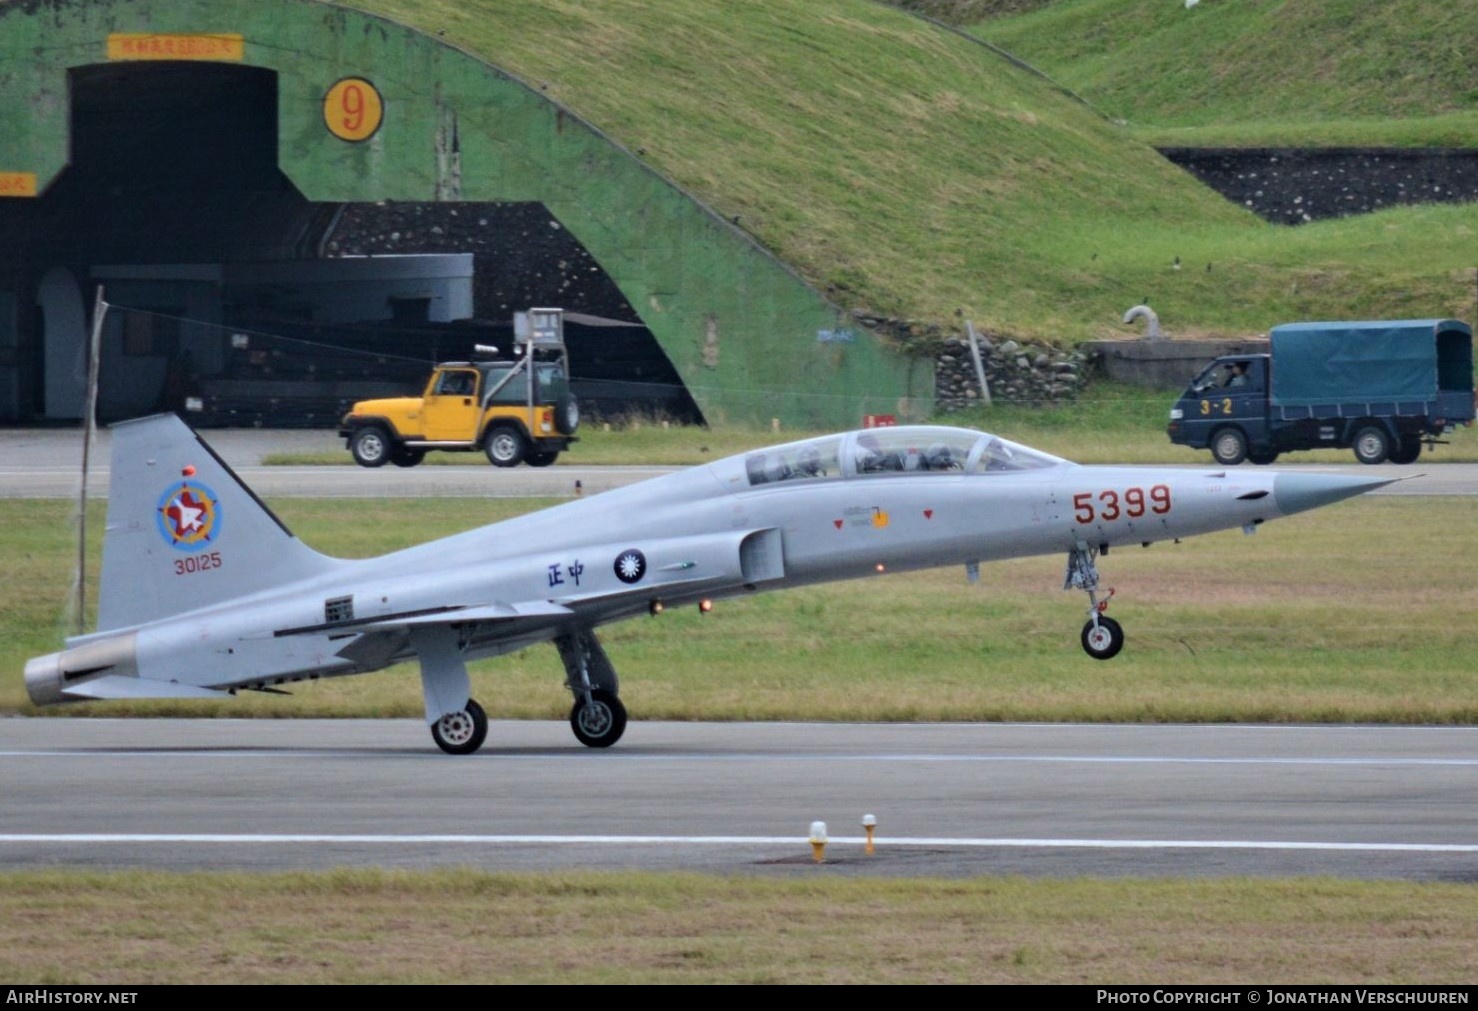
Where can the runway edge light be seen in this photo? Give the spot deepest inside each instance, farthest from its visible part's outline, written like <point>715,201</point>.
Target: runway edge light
<point>818,841</point>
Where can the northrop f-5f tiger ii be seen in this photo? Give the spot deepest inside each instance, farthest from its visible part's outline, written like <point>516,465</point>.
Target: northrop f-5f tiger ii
<point>204,592</point>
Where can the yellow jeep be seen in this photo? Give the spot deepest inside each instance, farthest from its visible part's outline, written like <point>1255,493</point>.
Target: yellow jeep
<point>486,405</point>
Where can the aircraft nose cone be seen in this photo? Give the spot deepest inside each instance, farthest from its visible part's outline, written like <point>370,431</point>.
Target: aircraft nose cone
<point>1295,493</point>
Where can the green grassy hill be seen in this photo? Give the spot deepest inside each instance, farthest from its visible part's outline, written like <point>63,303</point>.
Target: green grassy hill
<point>1402,72</point>
<point>906,170</point>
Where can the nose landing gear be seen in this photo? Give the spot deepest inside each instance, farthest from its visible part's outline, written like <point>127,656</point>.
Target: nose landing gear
<point>1102,637</point>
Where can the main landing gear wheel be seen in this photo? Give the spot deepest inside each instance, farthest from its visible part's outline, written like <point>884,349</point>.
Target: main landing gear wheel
<point>1102,639</point>
<point>600,722</point>
<point>461,733</point>
<point>404,457</point>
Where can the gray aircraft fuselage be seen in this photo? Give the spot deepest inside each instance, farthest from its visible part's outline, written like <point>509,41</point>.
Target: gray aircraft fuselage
<point>254,612</point>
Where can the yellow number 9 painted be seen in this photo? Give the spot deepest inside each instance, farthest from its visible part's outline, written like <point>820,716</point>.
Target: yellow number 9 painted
<point>353,109</point>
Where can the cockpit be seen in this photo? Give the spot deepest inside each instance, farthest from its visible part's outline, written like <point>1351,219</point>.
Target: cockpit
<point>883,452</point>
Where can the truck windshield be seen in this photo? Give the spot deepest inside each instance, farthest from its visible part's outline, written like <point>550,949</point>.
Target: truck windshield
<point>1208,377</point>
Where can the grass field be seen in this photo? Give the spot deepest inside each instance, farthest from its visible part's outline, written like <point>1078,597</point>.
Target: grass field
<point>1336,72</point>
<point>470,926</point>
<point>905,170</point>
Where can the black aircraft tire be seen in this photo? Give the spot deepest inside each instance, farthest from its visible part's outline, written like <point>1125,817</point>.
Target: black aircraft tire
<point>600,724</point>
<point>540,458</point>
<point>404,457</point>
<point>1104,641</point>
<point>463,732</point>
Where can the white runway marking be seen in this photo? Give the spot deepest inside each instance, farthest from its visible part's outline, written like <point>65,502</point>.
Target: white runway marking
<point>633,840</point>
<point>628,756</point>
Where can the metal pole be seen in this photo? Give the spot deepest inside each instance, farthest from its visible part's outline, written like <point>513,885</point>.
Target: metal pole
<point>89,425</point>
<point>979,367</point>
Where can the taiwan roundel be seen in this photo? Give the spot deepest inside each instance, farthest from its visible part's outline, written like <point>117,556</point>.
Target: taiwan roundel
<point>630,566</point>
<point>189,516</point>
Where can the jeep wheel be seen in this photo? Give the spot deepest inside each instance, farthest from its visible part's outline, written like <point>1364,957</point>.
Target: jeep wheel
<point>370,447</point>
<point>567,415</point>
<point>505,447</point>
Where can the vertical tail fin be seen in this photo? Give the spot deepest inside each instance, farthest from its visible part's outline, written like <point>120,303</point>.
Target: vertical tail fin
<point>184,531</point>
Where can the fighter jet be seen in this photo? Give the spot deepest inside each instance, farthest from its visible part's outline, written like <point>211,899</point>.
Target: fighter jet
<point>205,593</point>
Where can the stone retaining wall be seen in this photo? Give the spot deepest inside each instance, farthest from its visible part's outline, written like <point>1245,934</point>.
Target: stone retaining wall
<point>1292,186</point>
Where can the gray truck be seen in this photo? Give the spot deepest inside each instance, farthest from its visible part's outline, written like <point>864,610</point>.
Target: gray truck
<point>1382,388</point>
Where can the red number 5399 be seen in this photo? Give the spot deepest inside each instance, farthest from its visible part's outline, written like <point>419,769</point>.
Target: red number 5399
<point>1110,505</point>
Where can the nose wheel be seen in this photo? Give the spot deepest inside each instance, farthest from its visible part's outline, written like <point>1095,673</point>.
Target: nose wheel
<point>1103,637</point>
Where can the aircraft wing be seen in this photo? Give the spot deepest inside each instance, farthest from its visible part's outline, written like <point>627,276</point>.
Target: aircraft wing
<point>536,612</point>
<point>120,686</point>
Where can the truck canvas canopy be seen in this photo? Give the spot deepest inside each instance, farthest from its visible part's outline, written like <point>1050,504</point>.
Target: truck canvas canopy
<point>1320,364</point>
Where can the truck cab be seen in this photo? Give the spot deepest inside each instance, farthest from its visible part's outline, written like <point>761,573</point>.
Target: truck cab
<point>515,410</point>
<point>1225,409</point>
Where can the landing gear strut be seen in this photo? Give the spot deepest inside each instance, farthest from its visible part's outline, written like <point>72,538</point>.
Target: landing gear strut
<point>598,718</point>
<point>1102,636</point>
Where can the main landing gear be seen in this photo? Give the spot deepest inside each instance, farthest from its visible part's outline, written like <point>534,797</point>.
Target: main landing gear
<point>1102,636</point>
<point>462,732</point>
<point>459,725</point>
<point>598,718</point>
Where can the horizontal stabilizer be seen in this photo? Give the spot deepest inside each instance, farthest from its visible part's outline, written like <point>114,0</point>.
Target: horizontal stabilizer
<point>118,686</point>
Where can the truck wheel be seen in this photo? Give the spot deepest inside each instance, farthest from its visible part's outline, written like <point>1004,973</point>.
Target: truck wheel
<point>1409,451</point>
<point>567,415</point>
<point>1372,444</point>
<point>370,447</point>
<point>1229,446</point>
<point>505,447</point>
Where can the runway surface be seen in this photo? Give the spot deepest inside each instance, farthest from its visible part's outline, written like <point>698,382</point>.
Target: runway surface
<point>44,463</point>
<point>730,798</point>
<point>950,800</point>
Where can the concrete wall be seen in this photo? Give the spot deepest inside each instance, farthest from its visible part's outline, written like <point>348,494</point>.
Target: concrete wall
<point>1163,364</point>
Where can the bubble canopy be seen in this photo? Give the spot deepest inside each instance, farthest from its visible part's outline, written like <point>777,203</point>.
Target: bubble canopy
<point>904,450</point>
